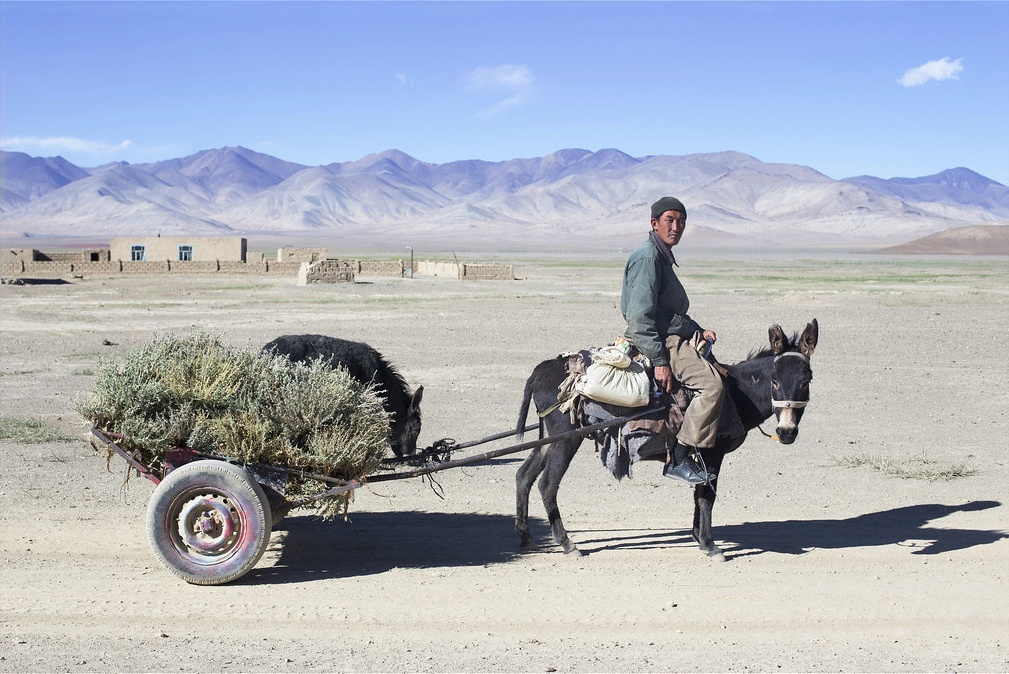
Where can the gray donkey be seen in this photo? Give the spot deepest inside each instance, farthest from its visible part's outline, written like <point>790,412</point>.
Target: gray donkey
<point>773,381</point>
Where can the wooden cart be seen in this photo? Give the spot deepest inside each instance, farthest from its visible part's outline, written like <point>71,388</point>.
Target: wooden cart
<point>209,518</point>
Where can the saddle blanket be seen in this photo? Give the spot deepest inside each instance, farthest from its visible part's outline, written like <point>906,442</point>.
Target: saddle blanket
<point>646,438</point>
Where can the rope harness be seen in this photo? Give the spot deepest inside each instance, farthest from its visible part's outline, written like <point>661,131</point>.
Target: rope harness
<point>789,403</point>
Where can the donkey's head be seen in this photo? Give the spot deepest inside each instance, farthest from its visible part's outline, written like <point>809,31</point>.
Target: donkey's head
<point>406,431</point>
<point>790,377</point>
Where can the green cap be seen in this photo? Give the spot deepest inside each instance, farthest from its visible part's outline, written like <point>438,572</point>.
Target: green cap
<point>667,204</point>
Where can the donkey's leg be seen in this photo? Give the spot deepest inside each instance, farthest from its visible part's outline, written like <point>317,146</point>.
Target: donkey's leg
<point>524,478</point>
<point>704,502</point>
<point>558,459</point>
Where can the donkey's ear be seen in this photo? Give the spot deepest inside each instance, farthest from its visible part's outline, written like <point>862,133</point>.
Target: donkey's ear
<point>778,340</point>
<point>417,395</point>
<point>809,337</point>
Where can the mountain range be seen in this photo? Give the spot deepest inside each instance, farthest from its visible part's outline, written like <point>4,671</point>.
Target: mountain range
<point>572,198</point>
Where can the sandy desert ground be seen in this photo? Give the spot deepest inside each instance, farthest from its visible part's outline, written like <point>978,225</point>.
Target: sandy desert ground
<point>830,567</point>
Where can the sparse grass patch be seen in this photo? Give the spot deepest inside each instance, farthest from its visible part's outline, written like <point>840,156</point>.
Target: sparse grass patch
<point>241,285</point>
<point>52,456</point>
<point>30,431</point>
<point>913,468</point>
<point>14,373</point>
<point>862,275</point>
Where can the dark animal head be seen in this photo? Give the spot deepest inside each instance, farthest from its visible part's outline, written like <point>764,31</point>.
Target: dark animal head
<point>368,366</point>
<point>404,433</point>
<point>790,377</point>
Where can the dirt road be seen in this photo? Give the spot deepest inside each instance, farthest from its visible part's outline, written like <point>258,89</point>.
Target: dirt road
<point>830,567</point>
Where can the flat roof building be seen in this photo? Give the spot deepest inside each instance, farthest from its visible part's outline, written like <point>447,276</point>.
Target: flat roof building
<point>179,248</point>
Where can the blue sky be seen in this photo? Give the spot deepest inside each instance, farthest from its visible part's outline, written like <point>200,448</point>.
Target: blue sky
<point>896,89</point>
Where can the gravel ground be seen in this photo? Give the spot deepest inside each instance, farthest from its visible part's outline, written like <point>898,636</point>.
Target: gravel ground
<point>831,566</point>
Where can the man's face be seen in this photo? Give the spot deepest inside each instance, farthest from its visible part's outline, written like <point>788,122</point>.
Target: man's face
<point>669,226</point>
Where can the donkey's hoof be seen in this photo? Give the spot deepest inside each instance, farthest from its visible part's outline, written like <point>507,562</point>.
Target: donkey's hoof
<point>716,555</point>
<point>573,553</point>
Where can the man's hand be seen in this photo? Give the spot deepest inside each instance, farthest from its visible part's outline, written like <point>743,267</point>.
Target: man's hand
<point>663,375</point>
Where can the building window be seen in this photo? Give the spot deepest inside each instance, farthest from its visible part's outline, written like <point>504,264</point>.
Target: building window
<point>137,252</point>
<point>185,253</point>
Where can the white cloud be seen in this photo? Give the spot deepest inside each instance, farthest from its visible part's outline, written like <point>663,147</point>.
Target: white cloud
<point>508,77</point>
<point>58,144</point>
<point>501,106</point>
<point>514,81</point>
<point>942,69</point>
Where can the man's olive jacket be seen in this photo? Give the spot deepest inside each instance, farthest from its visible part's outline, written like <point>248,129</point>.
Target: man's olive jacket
<point>654,303</point>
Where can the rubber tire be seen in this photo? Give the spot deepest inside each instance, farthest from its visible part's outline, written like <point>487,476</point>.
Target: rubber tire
<point>236,517</point>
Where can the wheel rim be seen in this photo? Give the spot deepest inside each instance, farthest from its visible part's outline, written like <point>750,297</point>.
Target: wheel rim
<point>208,526</point>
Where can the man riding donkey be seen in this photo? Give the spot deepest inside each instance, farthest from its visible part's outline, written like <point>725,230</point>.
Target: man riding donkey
<point>654,304</point>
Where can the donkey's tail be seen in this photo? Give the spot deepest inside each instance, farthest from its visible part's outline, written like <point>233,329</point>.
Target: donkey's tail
<point>527,397</point>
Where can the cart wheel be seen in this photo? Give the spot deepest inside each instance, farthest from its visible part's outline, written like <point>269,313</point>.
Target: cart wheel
<point>209,522</point>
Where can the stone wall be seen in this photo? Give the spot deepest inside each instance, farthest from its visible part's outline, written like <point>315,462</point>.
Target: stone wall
<point>300,255</point>
<point>437,268</point>
<point>380,268</point>
<point>86,255</point>
<point>326,271</point>
<point>466,271</point>
<point>29,263</point>
<point>487,272</point>
<point>20,268</point>
<point>17,254</point>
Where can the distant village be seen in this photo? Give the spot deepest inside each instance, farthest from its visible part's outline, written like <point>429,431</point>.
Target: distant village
<point>225,255</point>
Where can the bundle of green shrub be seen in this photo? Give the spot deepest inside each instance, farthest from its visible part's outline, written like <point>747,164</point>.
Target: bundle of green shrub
<point>248,406</point>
